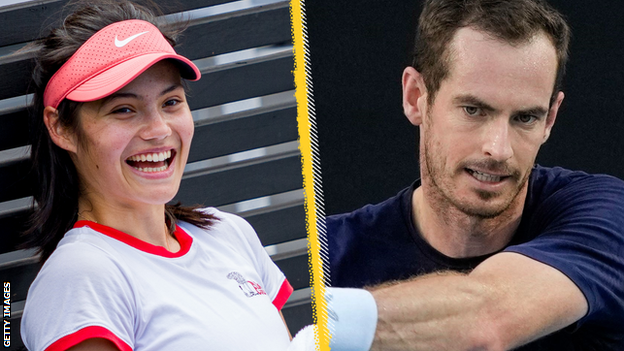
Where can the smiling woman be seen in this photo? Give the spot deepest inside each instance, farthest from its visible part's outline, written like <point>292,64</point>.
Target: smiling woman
<point>123,270</point>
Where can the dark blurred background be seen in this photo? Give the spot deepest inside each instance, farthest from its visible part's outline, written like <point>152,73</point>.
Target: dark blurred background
<point>368,148</point>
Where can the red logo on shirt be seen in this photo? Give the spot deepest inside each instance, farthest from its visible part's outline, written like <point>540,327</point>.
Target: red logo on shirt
<point>248,287</point>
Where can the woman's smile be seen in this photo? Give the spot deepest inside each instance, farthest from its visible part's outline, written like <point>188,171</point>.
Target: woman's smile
<point>151,162</point>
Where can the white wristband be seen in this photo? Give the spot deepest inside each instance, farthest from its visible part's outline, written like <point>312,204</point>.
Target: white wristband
<point>352,319</point>
<point>304,340</point>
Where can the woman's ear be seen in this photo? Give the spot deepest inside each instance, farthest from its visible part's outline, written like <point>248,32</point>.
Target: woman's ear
<point>414,96</point>
<point>62,136</point>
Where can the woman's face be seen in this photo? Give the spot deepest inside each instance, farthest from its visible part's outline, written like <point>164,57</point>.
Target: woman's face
<point>133,145</point>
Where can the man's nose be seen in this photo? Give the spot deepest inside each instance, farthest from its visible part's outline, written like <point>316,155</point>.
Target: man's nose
<point>497,140</point>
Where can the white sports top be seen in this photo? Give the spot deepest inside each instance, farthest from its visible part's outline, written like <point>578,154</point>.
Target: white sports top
<point>221,291</point>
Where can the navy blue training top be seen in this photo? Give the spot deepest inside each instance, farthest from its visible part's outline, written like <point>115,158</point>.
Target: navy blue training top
<point>571,221</point>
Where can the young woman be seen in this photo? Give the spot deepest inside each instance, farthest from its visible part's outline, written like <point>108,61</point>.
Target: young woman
<point>123,270</point>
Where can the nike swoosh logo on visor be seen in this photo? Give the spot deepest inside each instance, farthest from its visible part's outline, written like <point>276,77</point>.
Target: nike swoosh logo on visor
<point>122,43</point>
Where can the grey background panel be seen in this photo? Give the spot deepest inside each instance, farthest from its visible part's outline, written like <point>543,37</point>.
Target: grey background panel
<point>15,77</point>
<point>235,185</point>
<point>20,278</point>
<point>279,226</point>
<point>225,34</point>
<point>297,317</point>
<point>22,22</point>
<point>296,270</point>
<point>241,134</point>
<point>12,226</point>
<point>15,181</point>
<point>242,81</point>
<point>13,130</point>
<point>244,153</point>
<point>266,25</point>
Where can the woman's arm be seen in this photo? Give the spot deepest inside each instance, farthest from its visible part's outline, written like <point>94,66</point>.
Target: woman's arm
<point>95,344</point>
<point>286,325</point>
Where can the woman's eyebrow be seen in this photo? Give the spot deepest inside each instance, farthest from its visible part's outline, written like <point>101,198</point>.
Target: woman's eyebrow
<point>171,88</point>
<point>118,95</point>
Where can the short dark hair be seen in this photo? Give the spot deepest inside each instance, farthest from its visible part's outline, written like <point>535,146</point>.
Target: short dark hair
<point>57,184</point>
<point>512,21</point>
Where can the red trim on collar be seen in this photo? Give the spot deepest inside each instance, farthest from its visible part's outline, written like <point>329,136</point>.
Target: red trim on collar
<point>183,238</point>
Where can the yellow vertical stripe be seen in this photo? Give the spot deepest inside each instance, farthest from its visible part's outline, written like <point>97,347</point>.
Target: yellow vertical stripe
<point>310,168</point>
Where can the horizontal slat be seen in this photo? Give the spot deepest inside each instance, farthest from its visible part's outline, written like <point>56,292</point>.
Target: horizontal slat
<point>14,156</point>
<point>22,22</point>
<point>14,207</point>
<point>254,27</point>
<point>242,183</point>
<point>18,258</point>
<point>241,134</point>
<point>237,81</point>
<point>289,249</point>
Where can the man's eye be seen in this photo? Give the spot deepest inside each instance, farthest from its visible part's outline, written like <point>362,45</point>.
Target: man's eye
<point>526,119</point>
<point>471,110</point>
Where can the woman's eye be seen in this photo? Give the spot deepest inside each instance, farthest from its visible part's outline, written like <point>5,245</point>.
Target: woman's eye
<point>171,102</point>
<point>122,110</point>
<point>471,110</point>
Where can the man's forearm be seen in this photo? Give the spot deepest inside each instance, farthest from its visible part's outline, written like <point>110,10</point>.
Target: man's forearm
<point>435,312</point>
<point>507,301</point>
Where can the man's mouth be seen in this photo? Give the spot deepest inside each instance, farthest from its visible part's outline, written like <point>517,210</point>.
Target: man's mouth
<point>151,162</point>
<point>485,177</point>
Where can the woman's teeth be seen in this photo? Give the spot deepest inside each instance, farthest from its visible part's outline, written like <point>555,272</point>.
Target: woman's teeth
<point>161,161</point>
<point>155,157</point>
<point>150,169</point>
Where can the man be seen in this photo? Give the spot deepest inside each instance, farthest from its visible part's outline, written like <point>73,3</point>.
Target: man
<point>499,253</point>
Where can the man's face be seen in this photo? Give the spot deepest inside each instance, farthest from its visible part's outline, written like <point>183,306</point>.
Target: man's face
<point>480,136</point>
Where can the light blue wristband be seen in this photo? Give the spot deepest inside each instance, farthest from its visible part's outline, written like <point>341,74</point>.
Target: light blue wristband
<point>352,319</point>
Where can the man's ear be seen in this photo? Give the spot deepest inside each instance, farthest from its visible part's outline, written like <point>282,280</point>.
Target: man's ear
<point>552,115</point>
<point>414,96</point>
<point>62,136</point>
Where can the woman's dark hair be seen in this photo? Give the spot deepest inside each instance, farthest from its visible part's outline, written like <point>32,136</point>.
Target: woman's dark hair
<point>57,186</point>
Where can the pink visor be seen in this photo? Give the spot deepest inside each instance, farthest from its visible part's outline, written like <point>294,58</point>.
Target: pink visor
<point>110,59</point>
